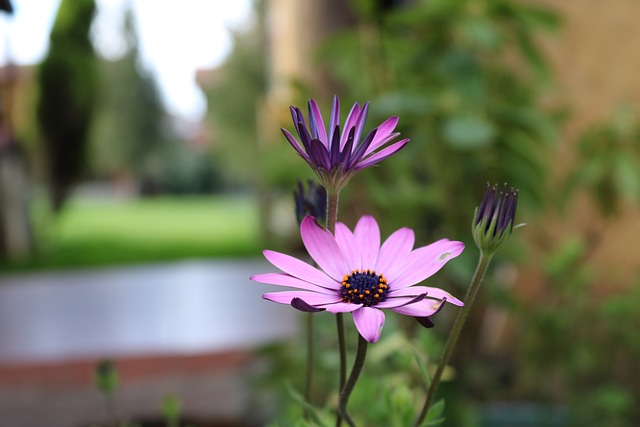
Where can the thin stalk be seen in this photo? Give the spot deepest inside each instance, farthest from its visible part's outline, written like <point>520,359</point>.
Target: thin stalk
<point>308,380</point>
<point>472,291</point>
<point>333,199</point>
<point>110,409</point>
<point>358,363</point>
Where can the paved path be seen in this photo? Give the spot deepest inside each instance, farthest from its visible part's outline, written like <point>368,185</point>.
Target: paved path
<point>186,307</point>
<point>185,328</point>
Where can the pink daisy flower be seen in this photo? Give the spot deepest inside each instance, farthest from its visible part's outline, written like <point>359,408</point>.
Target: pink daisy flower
<point>360,276</point>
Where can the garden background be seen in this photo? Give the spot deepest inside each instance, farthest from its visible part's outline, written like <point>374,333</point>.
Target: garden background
<point>97,176</point>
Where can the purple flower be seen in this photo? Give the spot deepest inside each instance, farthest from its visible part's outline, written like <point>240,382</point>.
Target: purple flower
<point>360,276</point>
<point>336,156</point>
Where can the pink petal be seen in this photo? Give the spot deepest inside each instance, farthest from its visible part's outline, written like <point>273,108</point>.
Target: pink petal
<point>369,322</point>
<point>311,298</point>
<point>396,247</point>
<point>384,130</point>
<point>381,155</point>
<point>323,248</point>
<point>280,279</point>
<point>300,269</point>
<point>400,301</point>
<point>436,293</point>
<point>341,307</point>
<point>347,243</point>
<point>367,234</point>
<point>424,308</point>
<point>424,262</point>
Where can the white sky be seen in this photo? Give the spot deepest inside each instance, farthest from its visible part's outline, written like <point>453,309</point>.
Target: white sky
<point>176,38</point>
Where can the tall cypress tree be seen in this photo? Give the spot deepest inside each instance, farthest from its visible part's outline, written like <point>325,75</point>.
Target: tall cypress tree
<point>68,88</point>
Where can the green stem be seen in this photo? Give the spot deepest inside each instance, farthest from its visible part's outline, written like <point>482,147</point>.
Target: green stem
<point>476,281</point>
<point>110,408</point>
<point>358,363</point>
<point>332,211</point>
<point>309,373</point>
<point>333,199</point>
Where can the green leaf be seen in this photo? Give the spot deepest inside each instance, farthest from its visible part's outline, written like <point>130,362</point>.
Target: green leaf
<point>311,410</point>
<point>626,175</point>
<point>423,368</point>
<point>469,132</point>
<point>434,416</point>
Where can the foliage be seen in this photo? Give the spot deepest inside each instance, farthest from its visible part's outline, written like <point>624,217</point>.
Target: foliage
<point>579,349</point>
<point>465,77</point>
<point>609,162</point>
<point>133,138</point>
<point>68,88</point>
<point>391,387</point>
<point>233,102</point>
<point>130,116</point>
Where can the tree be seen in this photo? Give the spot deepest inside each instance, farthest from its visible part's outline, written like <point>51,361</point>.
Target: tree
<point>68,90</point>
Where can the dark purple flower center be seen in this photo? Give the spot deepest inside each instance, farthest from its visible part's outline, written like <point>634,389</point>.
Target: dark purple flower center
<point>364,287</point>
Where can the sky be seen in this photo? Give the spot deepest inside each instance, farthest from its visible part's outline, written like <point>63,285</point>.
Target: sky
<point>174,42</point>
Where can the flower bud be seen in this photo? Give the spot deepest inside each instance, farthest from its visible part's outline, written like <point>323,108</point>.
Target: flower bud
<point>310,201</point>
<point>493,219</point>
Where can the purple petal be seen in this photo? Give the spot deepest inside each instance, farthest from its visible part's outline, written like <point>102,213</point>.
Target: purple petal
<point>426,322</point>
<point>381,155</point>
<point>384,132</point>
<point>347,243</point>
<point>301,305</point>
<point>335,119</point>
<point>303,133</point>
<point>360,123</point>
<point>334,148</point>
<point>396,247</point>
<point>380,142</point>
<point>317,124</point>
<point>323,248</point>
<point>367,235</point>
<point>280,279</point>
<point>369,322</point>
<point>295,144</point>
<point>345,154</point>
<point>297,117</point>
<point>319,154</point>
<point>341,307</point>
<point>313,298</point>
<point>350,124</point>
<point>300,269</point>
<point>425,262</point>
<point>436,293</point>
<point>359,153</point>
<point>424,308</point>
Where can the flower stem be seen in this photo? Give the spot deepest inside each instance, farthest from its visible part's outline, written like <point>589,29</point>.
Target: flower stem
<point>308,380</point>
<point>358,363</point>
<point>476,281</point>
<point>333,198</point>
<point>332,210</point>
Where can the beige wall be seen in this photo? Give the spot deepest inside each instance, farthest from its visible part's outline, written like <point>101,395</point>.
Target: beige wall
<point>596,62</point>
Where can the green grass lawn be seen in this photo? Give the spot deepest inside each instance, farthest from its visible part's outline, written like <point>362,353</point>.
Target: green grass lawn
<point>90,233</point>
